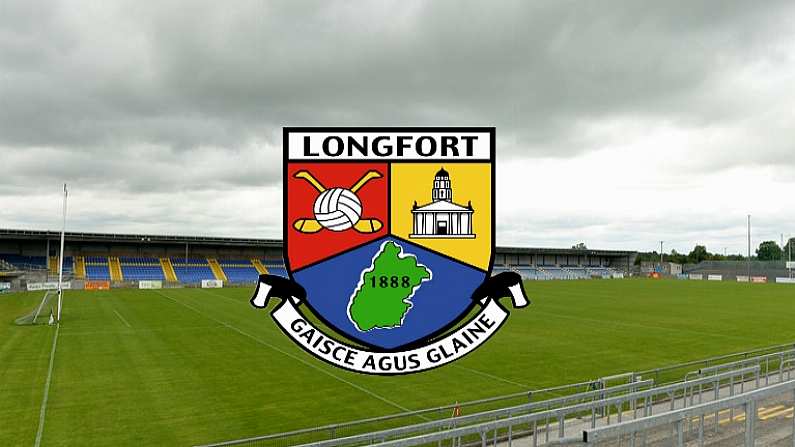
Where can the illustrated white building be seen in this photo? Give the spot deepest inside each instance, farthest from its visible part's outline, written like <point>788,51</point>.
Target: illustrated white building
<point>442,218</point>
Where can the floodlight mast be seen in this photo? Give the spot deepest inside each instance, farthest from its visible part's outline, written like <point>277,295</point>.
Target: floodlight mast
<point>60,258</point>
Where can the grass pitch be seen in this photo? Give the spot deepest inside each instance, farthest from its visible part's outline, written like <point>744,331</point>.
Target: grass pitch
<point>189,366</point>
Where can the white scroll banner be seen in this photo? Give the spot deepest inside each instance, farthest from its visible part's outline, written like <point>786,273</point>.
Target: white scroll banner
<point>452,347</point>
<point>468,337</point>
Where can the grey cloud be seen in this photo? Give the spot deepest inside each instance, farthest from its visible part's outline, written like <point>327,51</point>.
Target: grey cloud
<point>156,97</point>
<point>155,74</point>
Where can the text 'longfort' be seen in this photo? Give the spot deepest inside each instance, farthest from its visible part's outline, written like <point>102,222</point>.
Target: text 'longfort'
<point>366,145</point>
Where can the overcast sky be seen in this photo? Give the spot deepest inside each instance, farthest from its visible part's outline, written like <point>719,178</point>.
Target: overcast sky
<point>619,123</point>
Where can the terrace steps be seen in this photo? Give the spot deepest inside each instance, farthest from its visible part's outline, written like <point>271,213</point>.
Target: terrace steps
<point>115,268</point>
<point>80,267</point>
<point>217,270</point>
<point>168,269</point>
<point>259,266</point>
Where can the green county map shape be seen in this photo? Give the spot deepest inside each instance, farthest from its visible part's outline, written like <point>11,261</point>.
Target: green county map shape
<point>373,305</point>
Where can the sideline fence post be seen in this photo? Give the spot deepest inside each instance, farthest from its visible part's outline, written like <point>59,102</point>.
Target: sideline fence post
<point>793,419</point>
<point>750,419</point>
<point>680,434</point>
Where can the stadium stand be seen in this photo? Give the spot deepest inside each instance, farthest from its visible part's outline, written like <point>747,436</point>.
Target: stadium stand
<point>192,271</point>
<point>79,267</point>
<point>97,268</point>
<point>259,266</point>
<point>731,269</point>
<point>138,268</point>
<point>5,265</point>
<point>577,273</point>
<point>52,264</point>
<point>275,267</point>
<point>555,272</point>
<point>562,273</point>
<point>239,270</point>
<point>499,269</point>
<point>531,273</point>
<point>26,262</point>
<point>168,269</point>
<point>218,272</point>
<point>115,268</point>
<point>603,272</point>
<point>128,258</point>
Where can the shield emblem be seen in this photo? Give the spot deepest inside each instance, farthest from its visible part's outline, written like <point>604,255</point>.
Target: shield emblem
<point>389,230</point>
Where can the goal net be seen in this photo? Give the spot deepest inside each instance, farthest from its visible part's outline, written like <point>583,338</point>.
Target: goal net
<point>43,312</point>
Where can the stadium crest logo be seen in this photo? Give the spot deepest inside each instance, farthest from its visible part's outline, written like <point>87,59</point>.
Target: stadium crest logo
<point>389,242</point>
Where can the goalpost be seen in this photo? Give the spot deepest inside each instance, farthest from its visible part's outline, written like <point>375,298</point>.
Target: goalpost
<point>60,258</point>
<point>45,305</point>
<point>53,299</point>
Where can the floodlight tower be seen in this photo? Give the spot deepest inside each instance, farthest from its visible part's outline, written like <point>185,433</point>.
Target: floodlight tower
<point>661,253</point>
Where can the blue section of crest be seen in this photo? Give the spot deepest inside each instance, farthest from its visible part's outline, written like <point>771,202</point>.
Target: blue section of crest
<point>436,303</point>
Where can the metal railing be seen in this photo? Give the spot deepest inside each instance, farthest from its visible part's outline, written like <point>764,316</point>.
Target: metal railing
<point>381,436</point>
<point>679,418</point>
<point>505,430</point>
<point>537,427</point>
<point>766,359</point>
<point>557,395</point>
<point>677,371</point>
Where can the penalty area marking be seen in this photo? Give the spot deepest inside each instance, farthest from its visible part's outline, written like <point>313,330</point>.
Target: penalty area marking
<point>122,319</point>
<point>43,410</point>
<point>264,343</point>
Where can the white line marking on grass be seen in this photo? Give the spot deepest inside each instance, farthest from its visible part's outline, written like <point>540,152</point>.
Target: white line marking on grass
<point>122,319</point>
<point>139,331</point>
<point>43,410</point>
<point>492,376</point>
<point>224,296</point>
<point>294,357</point>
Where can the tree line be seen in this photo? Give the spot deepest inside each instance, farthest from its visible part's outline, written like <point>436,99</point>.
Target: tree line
<point>767,251</point>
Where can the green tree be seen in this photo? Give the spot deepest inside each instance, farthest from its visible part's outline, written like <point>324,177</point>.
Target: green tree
<point>677,257</point>
<point>698,254</point>
<point>579,246</point>
<point>768,251</point>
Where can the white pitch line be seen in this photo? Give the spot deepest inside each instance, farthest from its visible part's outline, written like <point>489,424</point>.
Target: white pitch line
<point>144,330</point>
<point>223,296</point>
<point>122,319</point>
<point>43,410</point>
<point>492,376</point>
<point>264,343</point>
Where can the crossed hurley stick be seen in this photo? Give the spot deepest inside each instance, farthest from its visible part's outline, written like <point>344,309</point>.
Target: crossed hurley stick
<point>313,226</point>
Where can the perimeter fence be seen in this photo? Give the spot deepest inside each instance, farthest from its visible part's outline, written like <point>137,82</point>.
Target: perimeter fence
<point>549,411</point>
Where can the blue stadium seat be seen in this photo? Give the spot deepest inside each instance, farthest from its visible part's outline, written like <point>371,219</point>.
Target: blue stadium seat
<point>280,271</point>
<point>26,262</point>
<point>97,272</point>
<point>239,270</point>
<point>194,271</point>
<point>141,268</point>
